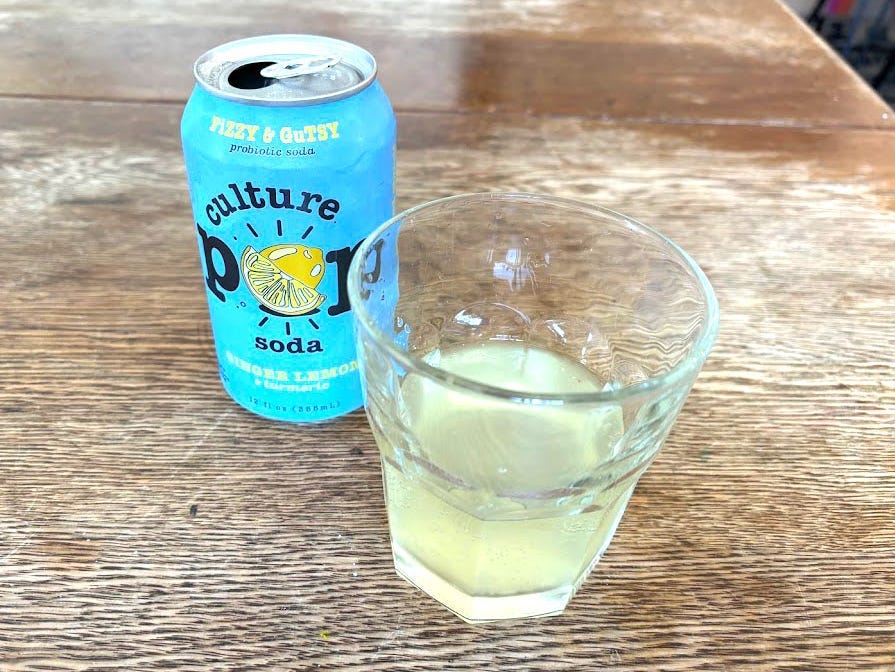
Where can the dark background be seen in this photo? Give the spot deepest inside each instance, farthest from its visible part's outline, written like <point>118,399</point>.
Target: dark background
<point>862,32</point>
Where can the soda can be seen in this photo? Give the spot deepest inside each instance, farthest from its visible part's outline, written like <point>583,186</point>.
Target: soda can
<point>289,144</point>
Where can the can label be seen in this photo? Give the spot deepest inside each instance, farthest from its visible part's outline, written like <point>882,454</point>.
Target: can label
<point>282,199</point>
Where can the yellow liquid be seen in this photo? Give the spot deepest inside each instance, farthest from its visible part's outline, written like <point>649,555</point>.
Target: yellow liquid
<point>499,509</point>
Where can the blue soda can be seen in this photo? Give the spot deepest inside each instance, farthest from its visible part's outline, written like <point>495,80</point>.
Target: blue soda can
<point>289,143</point>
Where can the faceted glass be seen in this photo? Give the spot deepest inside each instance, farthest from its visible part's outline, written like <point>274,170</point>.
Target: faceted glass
<point>523,358</point>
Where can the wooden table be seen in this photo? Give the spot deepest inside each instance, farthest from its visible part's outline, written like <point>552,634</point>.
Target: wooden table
<point>146,522</point>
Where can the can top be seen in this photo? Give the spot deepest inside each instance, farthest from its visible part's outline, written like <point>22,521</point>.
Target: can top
<point>285,70</point>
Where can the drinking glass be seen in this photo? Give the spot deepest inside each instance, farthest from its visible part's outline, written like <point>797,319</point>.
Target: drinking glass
<point>523,359</point>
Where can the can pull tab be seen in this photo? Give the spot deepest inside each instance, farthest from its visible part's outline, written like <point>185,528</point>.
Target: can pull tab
<point>307,65</point>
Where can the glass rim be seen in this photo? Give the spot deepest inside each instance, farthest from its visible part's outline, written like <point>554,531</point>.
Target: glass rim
<point>691,363</point>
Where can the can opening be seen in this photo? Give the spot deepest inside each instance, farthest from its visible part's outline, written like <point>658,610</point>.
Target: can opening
<point>248,76</point>
<point>285,70</point>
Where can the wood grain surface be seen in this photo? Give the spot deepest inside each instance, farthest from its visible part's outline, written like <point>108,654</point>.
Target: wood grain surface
<point>671,60</point>
<point>146,522</point>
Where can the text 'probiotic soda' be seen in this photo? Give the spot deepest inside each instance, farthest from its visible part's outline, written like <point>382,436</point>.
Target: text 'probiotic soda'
<point>289,143</point>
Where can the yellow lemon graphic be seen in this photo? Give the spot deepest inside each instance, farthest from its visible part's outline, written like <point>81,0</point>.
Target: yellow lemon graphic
<point>284,277</point>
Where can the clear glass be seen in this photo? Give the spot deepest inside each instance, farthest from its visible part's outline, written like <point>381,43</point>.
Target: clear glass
<point>523,358</point>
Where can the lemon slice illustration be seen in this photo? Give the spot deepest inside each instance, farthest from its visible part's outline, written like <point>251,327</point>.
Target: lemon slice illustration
<point>283,277</point>
<point>302,263</point>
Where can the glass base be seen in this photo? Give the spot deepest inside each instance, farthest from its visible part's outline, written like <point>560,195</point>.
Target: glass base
<point>480,609</point>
